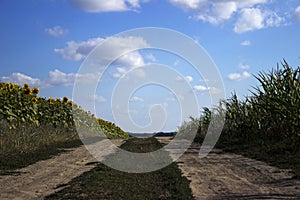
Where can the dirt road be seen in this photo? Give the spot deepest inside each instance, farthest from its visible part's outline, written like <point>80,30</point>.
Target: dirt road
<point>218,176</point>
<point>47,176</point>
<point>229,176</point>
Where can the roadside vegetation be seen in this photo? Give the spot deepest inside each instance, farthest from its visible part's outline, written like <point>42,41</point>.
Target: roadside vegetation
<point>265,125</point>
<point>103,182</point>
<point>34,128</point>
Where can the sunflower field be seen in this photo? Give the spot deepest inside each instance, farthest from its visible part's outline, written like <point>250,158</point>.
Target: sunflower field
<point>28,121</point>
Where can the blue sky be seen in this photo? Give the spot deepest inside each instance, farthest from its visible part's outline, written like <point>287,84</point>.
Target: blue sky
<point>44,43</point>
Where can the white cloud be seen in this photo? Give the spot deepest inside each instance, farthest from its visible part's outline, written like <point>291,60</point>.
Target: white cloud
<point>137,99</point>
<point>151,57</point>
<point>114,47</point>
<point>204,80</point>
<point>250,19</point>
<point>97,98</point>
<point>54,78</point>
<point>180,97</point>
<point>56,31</point>
<point>254,18</point>
<point>20,79</point>
<point>171,99</point>
<point>238,76</point>
<point>246,43</point>
<point>273,20</point>
<point>244,66</point>
<point>186,78</point>
<point>187,4</point>
<point>218,12</point>
<point>297,13</point>
<point>165,105</point>
<point>139,73</point>
<point>133,59</point>
<point>215,11</point>
<point>107,6</point>
<point>247,14</point>
<point>176,62</point>
<point>200,88</point>
<point>57,77</point>
<point>121,71</point>
<point>77,51</point>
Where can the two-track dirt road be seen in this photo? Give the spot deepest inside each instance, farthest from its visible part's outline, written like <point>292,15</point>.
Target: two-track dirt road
<point>47,176</point>
<point>218,176</point>
<point>223,175</point>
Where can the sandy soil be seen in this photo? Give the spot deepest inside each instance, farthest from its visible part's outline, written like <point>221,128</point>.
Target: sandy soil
<point>229,176</point>
<point>48,176</point>
<point>218,176</point>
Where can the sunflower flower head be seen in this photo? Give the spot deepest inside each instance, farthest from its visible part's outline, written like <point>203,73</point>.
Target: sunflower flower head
<point>27,91</point>
<point>70,103</point>
<point>50,100</point>
<point>57,100</point>
<point>65,100</point>
<point>26,86</point>
<point>35,90</point>
<point>34,100</point>
<point>11,86</point>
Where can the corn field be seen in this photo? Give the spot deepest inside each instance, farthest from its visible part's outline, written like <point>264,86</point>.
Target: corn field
<point>270,116</point>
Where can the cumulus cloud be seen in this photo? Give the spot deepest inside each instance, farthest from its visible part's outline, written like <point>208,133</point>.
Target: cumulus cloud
<point>58,78</point>
<point>297,13</point>
<point>97,98</point>
<point>238,76</point>
<point>250,19</point>
<point>120,71</point>
<point>54,78</point>
<point>151,57</point>
<point>107,6</point>
<point>77,51</point>
<point>246,43</point>
<point>254,18</point>
<point>176,63</point>
<point>127,73</point>
<point>186,78</point>
<point>20,79</point>
<point>114,47</point>
<point>248,13</point>
<point>200,88</point>
<point>219,12</point>
<point>215,11</point>
<point>56,31</point>
<point>244,66</point>
<point>171,99</point>
<point>137,99</point>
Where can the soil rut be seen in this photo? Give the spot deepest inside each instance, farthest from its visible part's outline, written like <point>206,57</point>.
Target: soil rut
<point>220,175</point>
<point>48,176</point>
<point>223,175</point>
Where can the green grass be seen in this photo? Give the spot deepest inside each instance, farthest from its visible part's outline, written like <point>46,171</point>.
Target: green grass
<point>103,182</point>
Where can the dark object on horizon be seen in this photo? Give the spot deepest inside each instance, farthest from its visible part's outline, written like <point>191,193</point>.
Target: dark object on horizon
<point>164,134</point>
<point>146,135</point>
